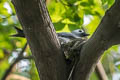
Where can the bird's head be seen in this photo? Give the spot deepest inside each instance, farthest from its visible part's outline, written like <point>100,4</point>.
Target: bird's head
<point>80,33</point>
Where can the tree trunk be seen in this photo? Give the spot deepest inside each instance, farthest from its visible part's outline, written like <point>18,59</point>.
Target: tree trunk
<point>42,39</point>
<point>45,47</point>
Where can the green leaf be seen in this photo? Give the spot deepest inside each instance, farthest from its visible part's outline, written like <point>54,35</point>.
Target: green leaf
<point>73,27</point>
<point>110,2</point>
<point>59,25</point>
<point>104,1</point>
<point>85,4</point>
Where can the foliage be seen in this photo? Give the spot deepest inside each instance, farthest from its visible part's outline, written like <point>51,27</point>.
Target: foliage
<point>66,16</point>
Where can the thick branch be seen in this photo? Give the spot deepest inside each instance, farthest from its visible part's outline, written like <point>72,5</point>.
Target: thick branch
<point>42,38</point>
<point>106,35</point>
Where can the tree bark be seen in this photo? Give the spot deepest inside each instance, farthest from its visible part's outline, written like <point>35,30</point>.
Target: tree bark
<point>45,46</point>
<point>42,39</point>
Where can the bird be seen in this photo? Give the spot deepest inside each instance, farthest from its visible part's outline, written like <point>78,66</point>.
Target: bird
<point>64,37</point>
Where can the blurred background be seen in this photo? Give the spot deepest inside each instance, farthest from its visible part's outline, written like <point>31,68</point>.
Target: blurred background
<point>66,15</point>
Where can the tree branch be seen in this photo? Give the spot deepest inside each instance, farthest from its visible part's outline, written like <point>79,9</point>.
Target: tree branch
<point>100,71</point>
<point>106,35</point>
<point>42,39</point>
<point>20,57</point>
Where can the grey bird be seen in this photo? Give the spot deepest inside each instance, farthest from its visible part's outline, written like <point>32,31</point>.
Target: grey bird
<point>64,37</point>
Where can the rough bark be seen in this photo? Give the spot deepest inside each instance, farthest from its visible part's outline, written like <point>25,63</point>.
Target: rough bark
<point>41,38</point>
<point>106,35</point>
<point>45,47</point>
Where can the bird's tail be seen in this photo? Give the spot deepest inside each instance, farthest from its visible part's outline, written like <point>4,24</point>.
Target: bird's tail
<point>19,33</point>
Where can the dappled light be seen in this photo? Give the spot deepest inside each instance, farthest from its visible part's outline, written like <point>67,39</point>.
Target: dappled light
<point>16,59</point>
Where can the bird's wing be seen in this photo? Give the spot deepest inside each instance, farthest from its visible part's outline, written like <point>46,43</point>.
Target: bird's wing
<point>66,35</point>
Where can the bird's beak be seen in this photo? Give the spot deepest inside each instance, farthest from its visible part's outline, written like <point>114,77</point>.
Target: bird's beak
<point>85,34</point>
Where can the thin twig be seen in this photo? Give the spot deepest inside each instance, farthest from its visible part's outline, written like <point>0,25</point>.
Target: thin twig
<point>101,72</point>
<point>16,60</point>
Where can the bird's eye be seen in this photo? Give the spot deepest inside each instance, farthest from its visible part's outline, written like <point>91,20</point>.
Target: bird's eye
<point>80,30</point>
